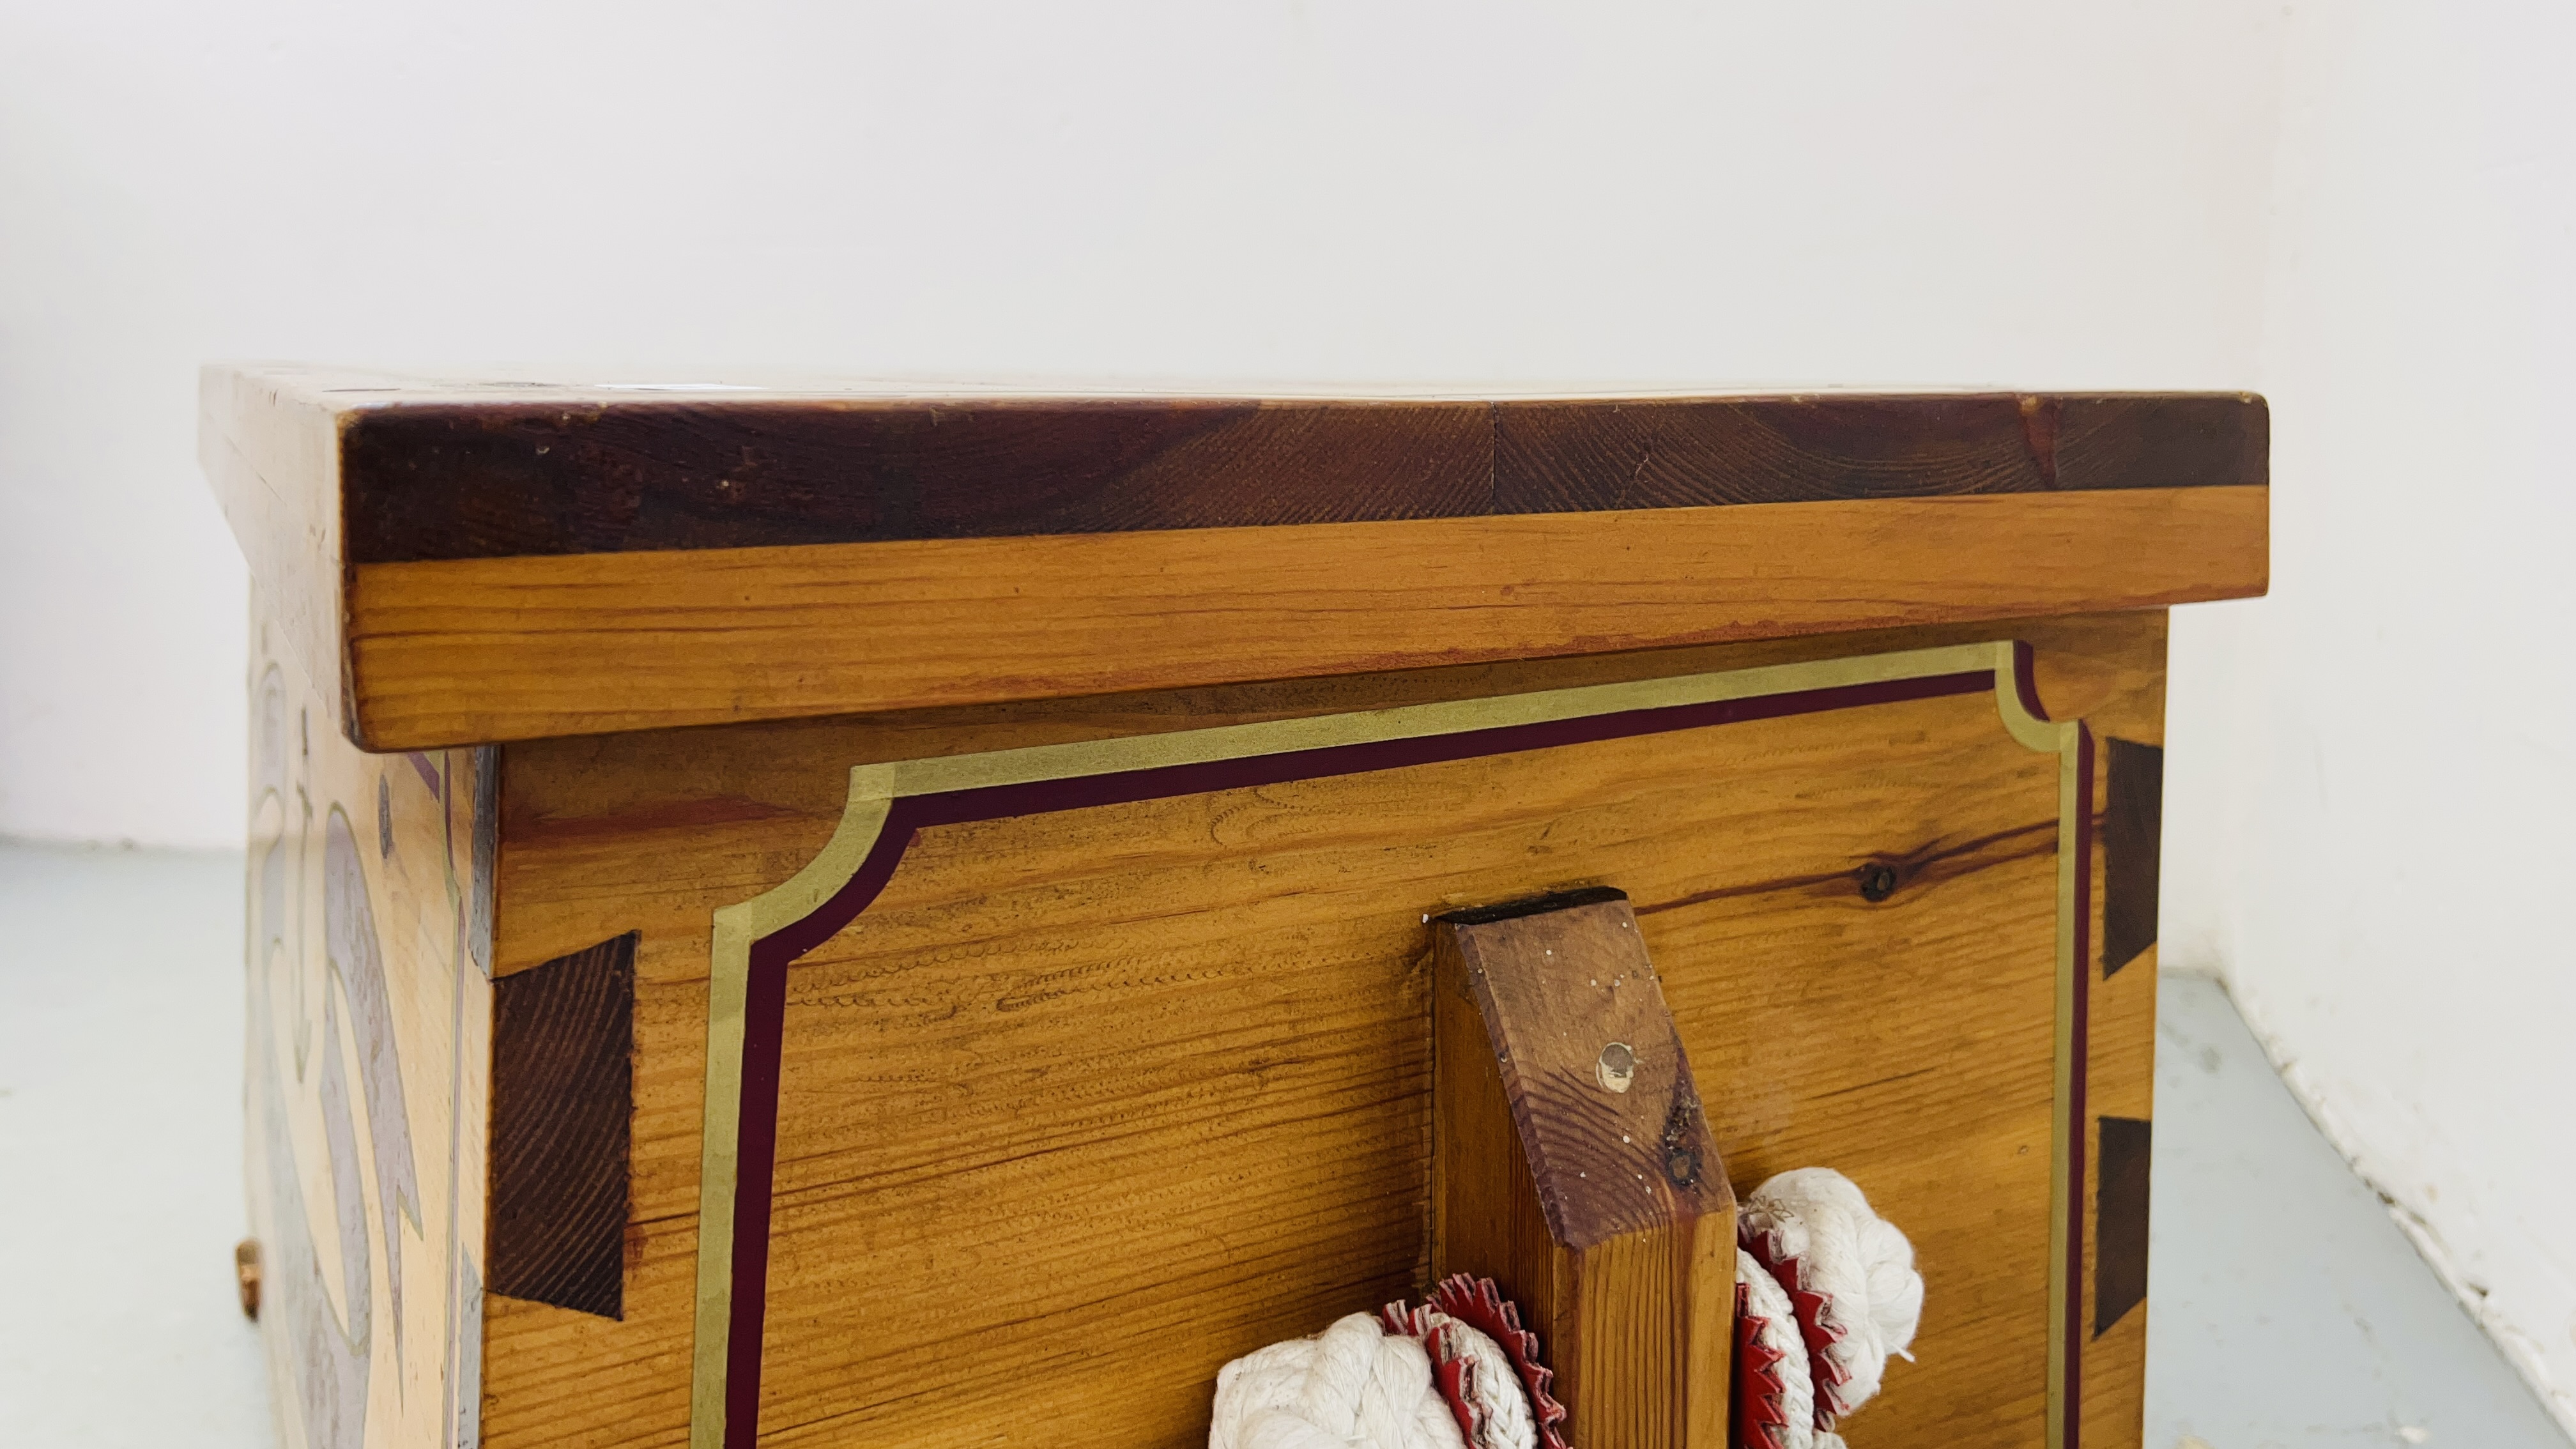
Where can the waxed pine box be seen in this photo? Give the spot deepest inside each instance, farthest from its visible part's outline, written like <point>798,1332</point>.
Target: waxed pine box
<point>816,917</point>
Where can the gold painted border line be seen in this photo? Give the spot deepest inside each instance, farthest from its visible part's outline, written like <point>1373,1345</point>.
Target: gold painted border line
<point>719,1157</point>
<point>2065,739</point>
<point>875,787</point>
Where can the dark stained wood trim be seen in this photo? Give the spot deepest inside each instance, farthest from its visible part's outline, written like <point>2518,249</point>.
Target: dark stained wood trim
<point>458,480</point>
<point>2132,846</point>
<point>563,1040</point>
<point>2120,1220</point>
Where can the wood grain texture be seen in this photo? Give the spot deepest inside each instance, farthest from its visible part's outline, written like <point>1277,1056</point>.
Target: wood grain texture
<point>1573,1165</point>
<point>2120,1220</point>
<point>653,831</point>
<point>364,1084</point>
<point>1905,1042</point>
<point>420,469</point>
<point>563,1037</point>
<point>507,649</point>
<point>492,479</point>
<point>2122,1084</point>
<point>2132,849</point>
<point>1180,1046</point>
<point>270,456</point>
<point>332,479</point>
<point>2120,1069</point>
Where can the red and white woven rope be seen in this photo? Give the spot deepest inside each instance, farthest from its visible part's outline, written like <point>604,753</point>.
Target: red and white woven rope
<point>1825,1292</point>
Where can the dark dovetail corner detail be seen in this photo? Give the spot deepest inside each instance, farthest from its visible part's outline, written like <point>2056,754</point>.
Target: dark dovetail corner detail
<point>2132,838</point>
<point>563,1038</point>
<point>2120,1221</point>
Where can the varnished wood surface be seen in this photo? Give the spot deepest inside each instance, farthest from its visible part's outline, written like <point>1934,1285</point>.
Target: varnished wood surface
<point>2123,1028</point>
<point>2132,850</point>
<point>364,1089</point>
<point>563,1035</point>
<point>653,831</point>
<point>1573,1165</point>
<point>2124,1146</point>
<point>1906,1042</point>
<point>270,458</point>
<point>444,558</point>
<point>498,479</point>
<point>502,649</point>
<point>431,470</point>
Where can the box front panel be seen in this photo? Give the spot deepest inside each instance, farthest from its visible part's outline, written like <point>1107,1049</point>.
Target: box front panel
<point>1087,1101</point>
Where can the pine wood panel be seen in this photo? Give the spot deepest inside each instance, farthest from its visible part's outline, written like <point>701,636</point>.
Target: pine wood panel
<point>654,831</point>
<point>331,476</point>
<point>269,455</point>
<point>1075,1078</point>
<point>1906,1042</point>
<point>507,649</point>
<point>368,938</point>
<point>1573,1165</point>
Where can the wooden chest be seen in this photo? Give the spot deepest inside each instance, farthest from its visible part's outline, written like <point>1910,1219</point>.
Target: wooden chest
<point>835,918</point>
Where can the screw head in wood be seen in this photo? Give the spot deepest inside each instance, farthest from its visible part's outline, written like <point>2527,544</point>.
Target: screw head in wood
<point>1617,1067</point>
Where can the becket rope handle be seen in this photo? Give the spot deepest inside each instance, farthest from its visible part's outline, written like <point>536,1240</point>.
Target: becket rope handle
<point>1826,1291</point>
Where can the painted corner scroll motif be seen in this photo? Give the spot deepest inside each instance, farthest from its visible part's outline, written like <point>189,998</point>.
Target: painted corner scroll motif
<point>368,965</point>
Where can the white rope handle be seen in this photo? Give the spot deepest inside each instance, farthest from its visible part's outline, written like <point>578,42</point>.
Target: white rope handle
<point>1354,1384</point>
<point>1825,1291</point>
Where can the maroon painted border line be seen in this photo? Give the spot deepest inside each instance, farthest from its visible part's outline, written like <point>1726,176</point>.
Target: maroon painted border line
<point>2079,1129</point>
<point>765,1004</point>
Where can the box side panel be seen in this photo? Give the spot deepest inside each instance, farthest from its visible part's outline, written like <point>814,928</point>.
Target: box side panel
<point>270,450</point>
<point>369,949</point>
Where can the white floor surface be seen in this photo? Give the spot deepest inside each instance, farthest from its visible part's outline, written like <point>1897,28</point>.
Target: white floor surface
<point>2287,1312</point>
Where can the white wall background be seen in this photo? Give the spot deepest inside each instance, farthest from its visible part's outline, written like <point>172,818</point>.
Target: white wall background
<point>2364,210</point>
<point>2024,192</point>
<point>2371,770</point>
